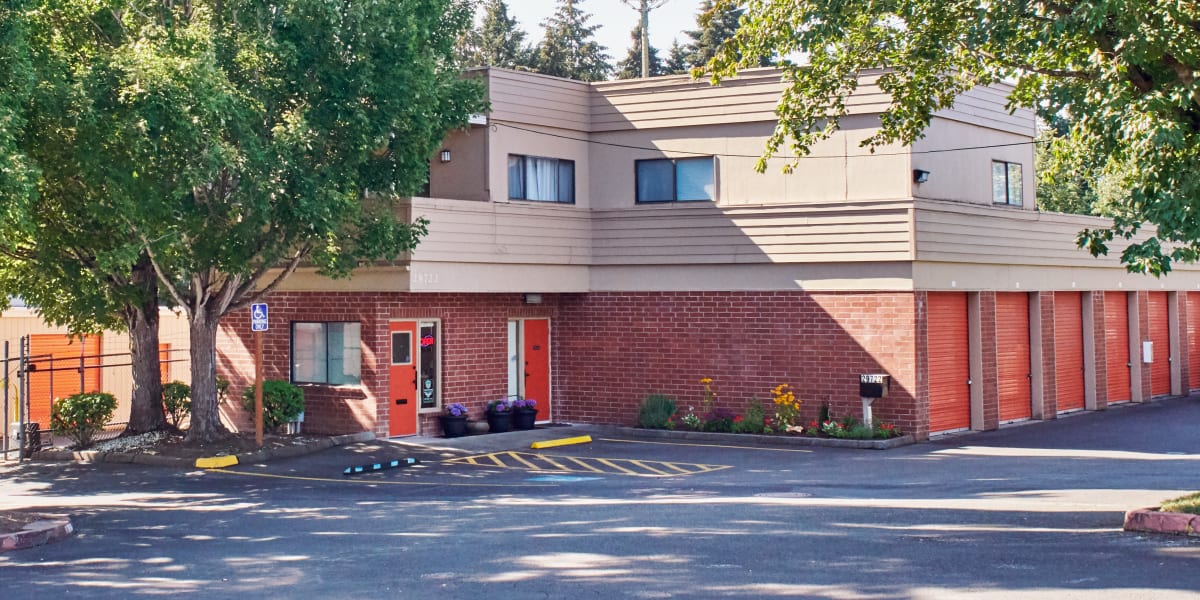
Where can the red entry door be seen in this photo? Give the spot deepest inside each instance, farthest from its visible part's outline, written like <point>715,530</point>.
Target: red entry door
<point>536,350</point>
<point>402,379</point>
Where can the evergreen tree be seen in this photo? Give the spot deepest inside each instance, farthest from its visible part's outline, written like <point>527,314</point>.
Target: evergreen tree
<point>717,24</point>
<point>569,48</point>
<point>677,59</point>
<point>497,42</point>
<point>631,67</point>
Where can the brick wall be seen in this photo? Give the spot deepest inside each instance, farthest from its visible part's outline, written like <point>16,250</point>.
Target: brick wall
<point>612,349</point>
<point>474,351</point>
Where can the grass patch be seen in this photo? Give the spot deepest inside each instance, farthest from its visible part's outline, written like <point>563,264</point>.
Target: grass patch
<point>1186,504</point>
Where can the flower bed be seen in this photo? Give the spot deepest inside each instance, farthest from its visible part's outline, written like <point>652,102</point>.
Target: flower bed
<point>780,417</point>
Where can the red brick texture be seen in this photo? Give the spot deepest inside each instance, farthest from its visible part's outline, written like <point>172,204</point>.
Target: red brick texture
<point>612,349</point>
<point>1100,356</point>
<point>474,351</point>
<point>990,360</point>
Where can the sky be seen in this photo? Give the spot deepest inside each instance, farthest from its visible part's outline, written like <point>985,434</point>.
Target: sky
<point>616,20</point>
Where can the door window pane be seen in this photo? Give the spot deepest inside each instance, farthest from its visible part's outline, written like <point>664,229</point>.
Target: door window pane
<point>401,348</point>
<point>428,376</point>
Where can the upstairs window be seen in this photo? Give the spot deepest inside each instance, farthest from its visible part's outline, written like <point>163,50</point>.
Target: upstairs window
<point>326,353</point>
<point>675,179</point>
<point>1006,183</point>
<point>541,179</point>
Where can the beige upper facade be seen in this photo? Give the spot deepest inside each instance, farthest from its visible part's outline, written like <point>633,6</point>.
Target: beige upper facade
<point>847,218</point>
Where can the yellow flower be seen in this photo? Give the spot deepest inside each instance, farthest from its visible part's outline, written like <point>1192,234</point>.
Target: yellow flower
<point>706,381</point>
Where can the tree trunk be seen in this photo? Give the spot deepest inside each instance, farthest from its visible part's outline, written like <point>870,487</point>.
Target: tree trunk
<point>146,408</point>
<point>206,414</point>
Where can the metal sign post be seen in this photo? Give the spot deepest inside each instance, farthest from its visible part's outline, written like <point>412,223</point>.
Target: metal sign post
<point>258,324</point>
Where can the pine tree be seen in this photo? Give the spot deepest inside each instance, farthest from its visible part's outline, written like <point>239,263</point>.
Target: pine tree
<point>568,48</point>
<point>677,59</point>
<point>497,42</point>
<point>716,26</point>
<point>631,67</point>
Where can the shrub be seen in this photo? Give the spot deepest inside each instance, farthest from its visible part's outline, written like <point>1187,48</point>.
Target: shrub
<point>282,403</point>
<point>656,412</point>
<point>81,416</point>
<point>177,401</point>
<point>719,420</point>
<point>754,421</point>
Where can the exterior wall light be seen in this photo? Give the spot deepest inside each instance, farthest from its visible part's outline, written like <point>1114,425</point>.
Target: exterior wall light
<point>445,157</point>
<point>532,298</point>
<point>920,176</point>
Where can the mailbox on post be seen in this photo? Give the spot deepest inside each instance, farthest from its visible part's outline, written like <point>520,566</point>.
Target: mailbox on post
<point>874,385</point>
<point>870,387</point>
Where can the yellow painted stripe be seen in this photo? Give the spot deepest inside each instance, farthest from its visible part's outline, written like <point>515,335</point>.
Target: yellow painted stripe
<point>650,468</point>
<point>677,468</point>
<point>609,463</point>
<point>377,482</point>
<point>521,460</point>
<point>550,460</point>
<point>216,462</point>
<point>583,439</point>
<point>583,464</point>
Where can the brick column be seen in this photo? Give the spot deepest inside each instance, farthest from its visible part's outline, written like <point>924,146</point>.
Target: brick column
<point>1097,367</point>
<point>1043,380</point>
<point>990,378</point>
<point>1140,373</point>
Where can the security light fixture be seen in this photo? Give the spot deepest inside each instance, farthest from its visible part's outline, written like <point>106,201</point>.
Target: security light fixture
<point>920,176</point>
<point>445,156</point>
<point>532,298</point>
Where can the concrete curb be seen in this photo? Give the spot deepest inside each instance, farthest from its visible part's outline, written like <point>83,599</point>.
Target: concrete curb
<point>257,456</point>
<point>748,439</point>
<point>36,534</point>
<point>1152,520</point>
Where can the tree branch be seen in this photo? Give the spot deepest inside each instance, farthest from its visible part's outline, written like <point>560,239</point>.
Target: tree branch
<point>162,277</point>
<point>293,263</point>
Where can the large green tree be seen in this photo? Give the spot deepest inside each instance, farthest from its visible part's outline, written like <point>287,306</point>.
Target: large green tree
<point>62,249</point>
<point>235,140</point>
<point>497,42</point>
<point>1123,73</point>
<point>569,48</point>
<point>631,67</point>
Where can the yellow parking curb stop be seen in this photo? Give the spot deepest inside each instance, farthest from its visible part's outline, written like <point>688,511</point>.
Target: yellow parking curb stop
<point>216,462</point>
<point>583,439</point>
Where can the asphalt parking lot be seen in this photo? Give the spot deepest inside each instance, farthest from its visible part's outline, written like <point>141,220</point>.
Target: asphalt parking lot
<point>1030,512</point>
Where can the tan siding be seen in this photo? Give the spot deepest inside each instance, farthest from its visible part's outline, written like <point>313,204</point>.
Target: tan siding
<point>539,100</point>
<point>986,106</point>
<point>502,233</point>
<point>851,232</point>
<point>950,232</point>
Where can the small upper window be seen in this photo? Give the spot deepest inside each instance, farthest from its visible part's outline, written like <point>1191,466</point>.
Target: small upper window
<point>1006,183</point>
<point>326,353</point>
<point>675,180</point>
<point>542,179</point>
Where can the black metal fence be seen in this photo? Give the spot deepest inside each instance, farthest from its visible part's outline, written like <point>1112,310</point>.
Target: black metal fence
<point>27,406</point>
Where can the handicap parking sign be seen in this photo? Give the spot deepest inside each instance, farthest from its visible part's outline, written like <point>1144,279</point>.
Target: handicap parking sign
<point>258,317</point>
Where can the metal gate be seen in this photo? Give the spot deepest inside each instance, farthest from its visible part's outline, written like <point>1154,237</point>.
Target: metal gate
<point>26,420</point>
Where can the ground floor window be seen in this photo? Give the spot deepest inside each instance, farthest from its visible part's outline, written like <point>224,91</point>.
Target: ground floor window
<point>326,353</point>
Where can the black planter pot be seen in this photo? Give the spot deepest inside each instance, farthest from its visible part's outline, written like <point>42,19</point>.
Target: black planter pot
<point>524,418</point>
<point>452,426</point>
<point>499,422</point>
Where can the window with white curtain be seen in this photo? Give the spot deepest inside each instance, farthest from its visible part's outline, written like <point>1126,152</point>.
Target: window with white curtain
<point>541,179</point>
<point>675,180</point>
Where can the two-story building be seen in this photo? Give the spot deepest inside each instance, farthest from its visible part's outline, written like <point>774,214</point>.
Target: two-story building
<point>591,243</point>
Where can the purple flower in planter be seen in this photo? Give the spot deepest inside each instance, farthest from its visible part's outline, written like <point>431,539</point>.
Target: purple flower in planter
<point>524,403</point>
<point>499,406</point>
<point>456,409</point>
